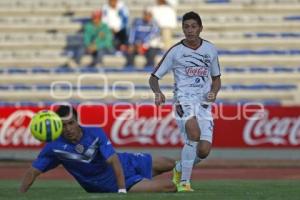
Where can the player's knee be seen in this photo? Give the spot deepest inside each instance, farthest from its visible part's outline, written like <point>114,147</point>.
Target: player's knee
<point>202,154</point>
<point>203,149</point>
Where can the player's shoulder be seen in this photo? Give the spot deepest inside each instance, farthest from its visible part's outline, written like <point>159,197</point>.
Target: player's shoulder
<point>93,130</point>
<point>175,48</point>
<point>209,43</point>
<point>211,47</point>
<point>49,146</point>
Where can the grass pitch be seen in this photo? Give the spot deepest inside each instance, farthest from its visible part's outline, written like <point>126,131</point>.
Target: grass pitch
<point>204,190</point>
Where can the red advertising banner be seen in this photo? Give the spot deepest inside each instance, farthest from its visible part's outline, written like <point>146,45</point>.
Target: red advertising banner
<point>128,125</point>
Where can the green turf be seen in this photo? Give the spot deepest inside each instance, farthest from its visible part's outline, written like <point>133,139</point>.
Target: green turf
<point>205,190</point>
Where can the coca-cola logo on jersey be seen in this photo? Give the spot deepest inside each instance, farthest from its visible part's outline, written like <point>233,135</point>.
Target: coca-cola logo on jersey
<point>129,128</point>
<point>261,129</point>
<point>14,129</point>
<point>196,71</point>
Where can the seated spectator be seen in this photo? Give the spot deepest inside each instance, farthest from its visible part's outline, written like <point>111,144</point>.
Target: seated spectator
<point>144,39</point>
<point>115,15</point>
<point>165,15</point>
<point>97,39</point>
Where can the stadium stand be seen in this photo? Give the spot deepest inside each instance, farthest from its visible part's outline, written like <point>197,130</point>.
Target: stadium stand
<point>258,43</point>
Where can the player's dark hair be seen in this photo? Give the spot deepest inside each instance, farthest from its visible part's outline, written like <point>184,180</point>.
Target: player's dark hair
<point>66,111</point>
<point>192,15</point>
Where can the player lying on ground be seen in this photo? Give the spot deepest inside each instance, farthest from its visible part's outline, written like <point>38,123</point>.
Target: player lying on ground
<point>88,155</point>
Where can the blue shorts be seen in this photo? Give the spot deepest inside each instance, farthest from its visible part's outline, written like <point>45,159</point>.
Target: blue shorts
<point>136,167</point>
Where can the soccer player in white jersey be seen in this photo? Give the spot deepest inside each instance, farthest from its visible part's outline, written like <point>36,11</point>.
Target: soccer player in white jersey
<point>195,65</point>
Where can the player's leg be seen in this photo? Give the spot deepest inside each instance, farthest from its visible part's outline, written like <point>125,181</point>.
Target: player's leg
<point>188,126</point>
<point>155,185</point>
<point>162,164</point>
<point>188,153</point>
<point>204,146</point>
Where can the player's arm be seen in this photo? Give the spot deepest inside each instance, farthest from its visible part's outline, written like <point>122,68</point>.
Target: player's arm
<point>215,87</point>
<point>118,170</point>
<point>161,69</point>
<point>154,85</point>
<point>28,179</point>
<point>216,78</point>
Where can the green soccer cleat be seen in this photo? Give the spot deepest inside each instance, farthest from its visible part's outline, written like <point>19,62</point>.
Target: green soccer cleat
<point>184,187</point>
<point>176,176</point>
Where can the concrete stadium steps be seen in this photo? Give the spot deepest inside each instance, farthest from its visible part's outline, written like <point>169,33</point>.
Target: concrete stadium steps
<point>239,8</point>
<point>67,28</point>
<point>213,26</point>
<point>209,26</point>
<point>56,58</point>
<point>222,43</point>
<point>257,43</point>
<point>288,97</point>
<point>250,60</point>
<point>136,7</point>
<point>247,26</point>
<point>141,78</point>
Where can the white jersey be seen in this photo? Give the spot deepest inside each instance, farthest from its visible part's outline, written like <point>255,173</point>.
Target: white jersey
<point>192,69</point>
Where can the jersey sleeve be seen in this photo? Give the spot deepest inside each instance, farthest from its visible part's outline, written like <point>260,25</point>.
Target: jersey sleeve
<point>46,160</point>
<point>165,64</point>
<point>215,67</point>
<point>105,146</point>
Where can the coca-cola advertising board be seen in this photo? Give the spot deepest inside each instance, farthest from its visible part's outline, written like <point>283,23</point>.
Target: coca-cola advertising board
<point>128,125</point>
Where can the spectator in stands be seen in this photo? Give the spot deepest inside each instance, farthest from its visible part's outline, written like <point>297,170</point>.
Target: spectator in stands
<point>116,15</point>
<point>144,39</point>
<point>165,16</point>
<point>97,39</point>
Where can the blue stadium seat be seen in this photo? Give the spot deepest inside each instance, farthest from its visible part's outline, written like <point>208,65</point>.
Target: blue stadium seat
<point>5,87</point>
<point>42,87</point>
<point>292,18</point>
<point>22,87</point>
<point>16,71</point>
<point>217,1</point>
<point>64,70</point>
<point>40,70</point>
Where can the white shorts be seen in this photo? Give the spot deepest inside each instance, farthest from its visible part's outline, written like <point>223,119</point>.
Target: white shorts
<point>203,116</point>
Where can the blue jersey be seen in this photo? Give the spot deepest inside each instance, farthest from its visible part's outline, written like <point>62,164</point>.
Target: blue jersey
<point>86,161</point>
<point>143,32</point>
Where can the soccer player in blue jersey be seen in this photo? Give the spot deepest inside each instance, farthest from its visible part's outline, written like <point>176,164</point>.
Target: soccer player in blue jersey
<point>88,155</point>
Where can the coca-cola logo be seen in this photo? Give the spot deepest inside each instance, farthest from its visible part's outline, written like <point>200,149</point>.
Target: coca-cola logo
<point>196,71</point>
<point>128,128</point>
<point>261,129</point>
<point>14,129</point>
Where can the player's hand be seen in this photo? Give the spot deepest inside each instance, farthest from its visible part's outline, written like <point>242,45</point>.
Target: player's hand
<point>211,97</point>
<point>159,98</point>
<point>91,49</point>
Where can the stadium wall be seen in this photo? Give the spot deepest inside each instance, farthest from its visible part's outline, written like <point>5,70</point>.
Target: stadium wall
<point>240,132</point>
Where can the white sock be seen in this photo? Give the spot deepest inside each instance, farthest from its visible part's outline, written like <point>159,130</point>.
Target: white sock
<point>188,155</point>
<point>197,160</point>
<point>178,165</point>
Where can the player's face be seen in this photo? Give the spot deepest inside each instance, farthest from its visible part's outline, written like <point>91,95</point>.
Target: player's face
<point>191,29</point>
<point>71,130</point>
